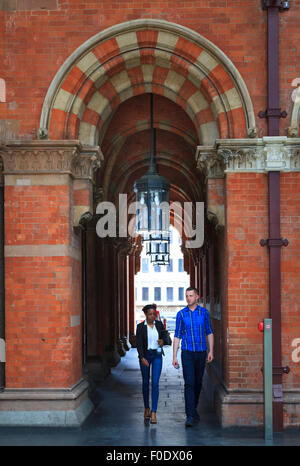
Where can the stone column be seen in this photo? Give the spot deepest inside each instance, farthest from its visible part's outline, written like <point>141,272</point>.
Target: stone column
<point>245,164</point>
<point>131,292</point>
<point>47,188</point>
<point>125,247</point>
<point>109,302</point>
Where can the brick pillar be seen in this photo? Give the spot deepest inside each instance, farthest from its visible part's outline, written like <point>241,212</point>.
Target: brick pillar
<point>47,183</point>
<point>246,163</point>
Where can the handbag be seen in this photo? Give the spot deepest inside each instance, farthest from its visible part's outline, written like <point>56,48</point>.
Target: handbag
<point>167,338</point>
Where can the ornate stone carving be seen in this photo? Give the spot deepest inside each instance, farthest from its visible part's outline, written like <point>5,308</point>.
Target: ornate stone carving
<point>292,132</point>
<point>86,162</point>
<point>124,246</point>
<point>42,133</point>
<point>209,162</point>
<point>277,153</point>
<point>295,159</point>
<point>216,218</point>
<point>252,133</point>
<point>37,157</point>
<point>237,159</point>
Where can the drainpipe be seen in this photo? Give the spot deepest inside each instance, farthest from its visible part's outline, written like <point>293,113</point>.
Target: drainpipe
<point>2,301</point>
<point>275,242</point>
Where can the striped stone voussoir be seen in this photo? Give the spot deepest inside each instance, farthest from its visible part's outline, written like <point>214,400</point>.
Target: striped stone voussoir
<point>140,61</point>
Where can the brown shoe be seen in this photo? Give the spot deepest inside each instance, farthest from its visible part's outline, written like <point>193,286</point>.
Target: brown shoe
<point>147,413</point>
<point>153,418</point>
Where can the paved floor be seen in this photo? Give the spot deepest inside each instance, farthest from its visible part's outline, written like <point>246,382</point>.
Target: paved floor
<point>118,419</point>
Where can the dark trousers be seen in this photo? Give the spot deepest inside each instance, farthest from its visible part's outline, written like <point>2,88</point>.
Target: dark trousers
<point>155,361</point>
<point>193,364</point>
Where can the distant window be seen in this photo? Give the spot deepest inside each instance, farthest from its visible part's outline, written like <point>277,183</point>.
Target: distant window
<point>171,236</point>
<point>180,265</point>
<point>157,293</point>
<point>157,268</point>
<point>170,266</point>
<point>145,294</point>
<point>180,293</point>
<point>145,265</point>
<point>169,294</point>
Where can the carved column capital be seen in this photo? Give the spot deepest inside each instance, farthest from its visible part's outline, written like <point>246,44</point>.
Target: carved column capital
<point>123,246</point>
<point>51,157</point>
<point>209,162</point>
<point>272,153</point>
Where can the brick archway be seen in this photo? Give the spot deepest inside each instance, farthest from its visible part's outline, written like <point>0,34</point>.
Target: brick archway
<point>147,56</point>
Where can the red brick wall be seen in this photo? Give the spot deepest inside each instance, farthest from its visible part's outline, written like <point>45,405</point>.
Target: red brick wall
<point>247,268</point>
<point>36,43</point>
<point>37,215</point>
<point>290,285</point>
<point>42,292</point>
<point>43,350</point>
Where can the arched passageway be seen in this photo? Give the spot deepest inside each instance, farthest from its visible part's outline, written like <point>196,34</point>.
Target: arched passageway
<point>103,99</point>
<point>96,118</point>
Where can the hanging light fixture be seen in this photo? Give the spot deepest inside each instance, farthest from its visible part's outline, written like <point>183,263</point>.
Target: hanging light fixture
<point>153,218</point>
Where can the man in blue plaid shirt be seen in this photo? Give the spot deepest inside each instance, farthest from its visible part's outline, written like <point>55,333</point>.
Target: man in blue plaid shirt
<point>192,327</point>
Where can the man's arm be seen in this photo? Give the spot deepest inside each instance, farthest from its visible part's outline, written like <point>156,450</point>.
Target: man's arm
<point>210,355</point>
<point>175,349</point>
<point>177,338</point>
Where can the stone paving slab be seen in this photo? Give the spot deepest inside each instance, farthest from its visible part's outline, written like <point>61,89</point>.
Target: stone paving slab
<point>118,418</point>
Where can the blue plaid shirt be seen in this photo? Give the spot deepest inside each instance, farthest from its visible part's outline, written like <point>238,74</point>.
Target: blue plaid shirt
<point>192,326</point>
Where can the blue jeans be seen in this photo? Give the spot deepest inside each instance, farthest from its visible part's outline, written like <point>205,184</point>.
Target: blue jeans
<point>155,361</point>
<point>193,365</point>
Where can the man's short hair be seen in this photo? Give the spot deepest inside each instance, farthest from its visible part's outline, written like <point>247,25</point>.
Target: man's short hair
<point>192,288</point>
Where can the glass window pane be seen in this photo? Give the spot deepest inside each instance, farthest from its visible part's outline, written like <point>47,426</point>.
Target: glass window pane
<point>145,265</point>
<point>181,293</point>
<point>180,265</point>
<point>170,266</point>
<point>157,294</point>
<point>145,294</point>
<point>169,294</point>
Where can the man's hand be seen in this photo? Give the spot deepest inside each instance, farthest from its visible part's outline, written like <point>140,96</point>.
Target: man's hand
<point>175,362</point>
<point>210,357</point>
<point>160,342</point>
<point>145,362</point>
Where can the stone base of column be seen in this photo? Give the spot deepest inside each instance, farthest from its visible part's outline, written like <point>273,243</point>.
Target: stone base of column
<point>126,343</point>
<point>112,357</point>
<point>97,368</point>
<point>132,340</point>
<point>239,409</point>
<point>95,371</point>
<point>245,408</point>
<point>55,407</point>
<point>121,349</point>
